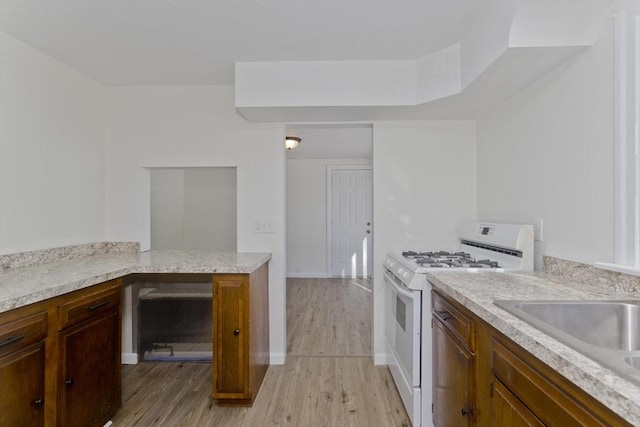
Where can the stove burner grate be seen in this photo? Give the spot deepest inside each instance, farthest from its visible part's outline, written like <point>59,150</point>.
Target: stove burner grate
<point>445,259</point>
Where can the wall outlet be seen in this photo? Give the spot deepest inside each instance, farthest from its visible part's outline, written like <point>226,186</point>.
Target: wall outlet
<point>537,229</point>
<point>263,225</point>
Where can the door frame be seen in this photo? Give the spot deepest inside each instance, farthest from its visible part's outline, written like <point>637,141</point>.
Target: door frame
<point>330,169</point>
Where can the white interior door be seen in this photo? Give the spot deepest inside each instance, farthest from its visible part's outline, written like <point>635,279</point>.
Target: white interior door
<point>351,223</point>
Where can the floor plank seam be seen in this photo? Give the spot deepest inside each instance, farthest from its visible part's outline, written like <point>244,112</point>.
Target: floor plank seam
<point>329,356</point>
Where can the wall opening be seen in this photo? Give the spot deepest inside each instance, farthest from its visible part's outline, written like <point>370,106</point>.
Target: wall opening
<point>193,208</point>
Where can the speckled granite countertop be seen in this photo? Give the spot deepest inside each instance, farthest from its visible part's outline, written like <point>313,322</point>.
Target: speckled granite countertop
<point>26,285</point>
<point>478,291</point>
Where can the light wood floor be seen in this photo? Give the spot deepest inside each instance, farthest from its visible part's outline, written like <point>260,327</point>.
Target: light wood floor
<point>329,317</point>
<point>328,380</point>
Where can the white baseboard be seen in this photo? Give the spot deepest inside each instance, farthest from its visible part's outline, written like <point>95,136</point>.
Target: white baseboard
<point>277,358</point>
<point>307,275</point>
<point>380,359</point>
<point>129,358</point>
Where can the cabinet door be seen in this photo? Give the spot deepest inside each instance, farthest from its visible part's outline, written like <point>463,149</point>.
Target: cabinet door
<point>508,411</point>
<point>230,337</point>
<point>453,380</point>
<point>89,377</point>
<point>22,391</point>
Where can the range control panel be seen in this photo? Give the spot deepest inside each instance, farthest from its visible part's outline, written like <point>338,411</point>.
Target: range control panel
<point>486,230</point>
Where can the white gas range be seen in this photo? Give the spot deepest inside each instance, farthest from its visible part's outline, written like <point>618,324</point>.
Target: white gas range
<point>482,247</point>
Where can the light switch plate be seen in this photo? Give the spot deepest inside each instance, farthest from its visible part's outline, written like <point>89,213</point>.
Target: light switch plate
<point>263,225</point>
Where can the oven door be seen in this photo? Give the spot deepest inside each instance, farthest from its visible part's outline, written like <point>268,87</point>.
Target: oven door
<point>403,320</point>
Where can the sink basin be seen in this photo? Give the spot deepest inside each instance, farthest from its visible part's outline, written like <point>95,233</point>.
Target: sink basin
<point>606,331</point>
<point>633,361</point>
<point>614,325</point>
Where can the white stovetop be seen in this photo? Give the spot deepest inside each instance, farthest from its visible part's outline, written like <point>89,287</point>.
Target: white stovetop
<point>412,274</point>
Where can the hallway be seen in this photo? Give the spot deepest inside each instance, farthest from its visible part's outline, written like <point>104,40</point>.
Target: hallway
<point>329,317</point>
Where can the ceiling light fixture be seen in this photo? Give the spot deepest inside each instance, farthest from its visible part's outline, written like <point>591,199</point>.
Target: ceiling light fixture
<point>291,142</point>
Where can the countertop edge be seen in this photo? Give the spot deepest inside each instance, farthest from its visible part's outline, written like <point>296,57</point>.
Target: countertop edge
<point>113,266</point>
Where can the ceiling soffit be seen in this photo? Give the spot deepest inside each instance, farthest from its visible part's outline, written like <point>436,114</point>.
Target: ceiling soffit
<point>507,48</point>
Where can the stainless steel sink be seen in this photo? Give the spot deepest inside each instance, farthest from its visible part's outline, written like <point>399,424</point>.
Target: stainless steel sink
<point>606,331</point>
<point>614,325</point>
<point>633,361</point>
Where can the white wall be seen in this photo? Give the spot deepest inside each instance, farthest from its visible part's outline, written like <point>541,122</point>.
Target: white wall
<point>307,215</point>
<point>325,83</point>
<point>193,208</point>
<point>52,169</point>
<point>424,186</point>
<point>548,153</point>
<point>166,208</point>
<point>210,216</point>
<point>198,127</point>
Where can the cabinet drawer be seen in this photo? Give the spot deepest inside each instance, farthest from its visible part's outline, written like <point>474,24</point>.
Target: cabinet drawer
<point>22,332</point>
<point>454,320</point>
<point>553,399</point>
<point>507,410</point>
<point>83,305</point>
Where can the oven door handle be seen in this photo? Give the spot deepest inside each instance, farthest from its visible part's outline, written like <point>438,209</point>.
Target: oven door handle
<point>397,288</point>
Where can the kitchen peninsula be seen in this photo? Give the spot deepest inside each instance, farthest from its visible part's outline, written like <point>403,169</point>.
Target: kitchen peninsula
<point>51,313</point>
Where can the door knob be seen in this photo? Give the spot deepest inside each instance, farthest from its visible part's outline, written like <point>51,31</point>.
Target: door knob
<point>465,411</point>
<point>368,231</point>
<point>236,332</point>
<point>368,224</point>
<point>69,382</point>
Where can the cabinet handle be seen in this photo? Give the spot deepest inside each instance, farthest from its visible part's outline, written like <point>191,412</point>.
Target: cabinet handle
<point>236,332</point>
<point>12,340</point>
<point>465,412</point>
<point>69,382</point>
<point>444,315</point>
<point>38,401</point>
<point>98,305</point>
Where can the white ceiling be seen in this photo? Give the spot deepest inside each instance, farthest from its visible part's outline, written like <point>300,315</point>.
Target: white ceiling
<point>192,42</point>
<point>195,42</point>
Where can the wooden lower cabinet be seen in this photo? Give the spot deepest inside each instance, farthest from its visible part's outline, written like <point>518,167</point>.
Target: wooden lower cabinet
<point>89,352</point>
<point>22,387</point>
<point>89,380</point>
<point>553,399</point>
<point>22,366</point>
<point>509,387</point>
<point>60,360</point>
<point>454,342</point>
<point>231,335</point>
<point>240,336</point>
<point>453,379</point>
